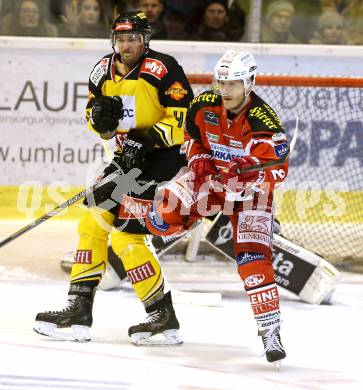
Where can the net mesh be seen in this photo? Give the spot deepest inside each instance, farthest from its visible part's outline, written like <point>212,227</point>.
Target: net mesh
<point>320,206</point>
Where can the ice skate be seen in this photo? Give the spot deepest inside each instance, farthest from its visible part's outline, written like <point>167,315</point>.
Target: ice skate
<point>160,328</point>
<point>70,324</point>
<point>274,349</point>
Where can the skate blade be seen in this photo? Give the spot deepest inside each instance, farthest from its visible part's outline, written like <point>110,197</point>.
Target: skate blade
<point>166,338</point>
<point>77,333</point>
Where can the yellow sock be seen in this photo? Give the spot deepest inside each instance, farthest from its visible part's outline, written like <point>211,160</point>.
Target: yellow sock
<point>91,256</point>
<point>141,264</point>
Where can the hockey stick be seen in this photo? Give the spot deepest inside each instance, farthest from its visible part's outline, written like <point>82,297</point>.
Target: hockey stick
<point>179,296</point>
<point>107,150</point>
<point>194,243</point>
<point>61,207</point>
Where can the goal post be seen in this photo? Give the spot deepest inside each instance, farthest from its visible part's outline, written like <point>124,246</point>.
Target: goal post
<point>320,206</point>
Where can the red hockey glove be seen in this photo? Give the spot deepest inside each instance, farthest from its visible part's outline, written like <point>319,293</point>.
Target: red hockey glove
<point>240,179</point>
<point>202,166</point>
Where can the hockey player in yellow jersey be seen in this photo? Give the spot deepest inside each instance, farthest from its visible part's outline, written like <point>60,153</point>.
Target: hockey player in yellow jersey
<point>139,97</point>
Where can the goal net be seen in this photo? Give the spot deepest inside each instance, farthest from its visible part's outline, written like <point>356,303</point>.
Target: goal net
<point>320,206</point>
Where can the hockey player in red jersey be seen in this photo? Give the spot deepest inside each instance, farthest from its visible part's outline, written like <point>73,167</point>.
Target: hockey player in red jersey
<point>228,130</point>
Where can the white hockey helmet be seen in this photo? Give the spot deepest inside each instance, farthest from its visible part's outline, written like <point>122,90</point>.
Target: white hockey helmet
<point>237,65</point>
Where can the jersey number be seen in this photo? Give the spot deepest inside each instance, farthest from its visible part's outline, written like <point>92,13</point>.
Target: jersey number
<point>278,173</point>
<point>179,116</point>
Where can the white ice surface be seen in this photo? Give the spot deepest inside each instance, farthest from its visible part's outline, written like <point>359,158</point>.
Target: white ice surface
<point>221,349</point>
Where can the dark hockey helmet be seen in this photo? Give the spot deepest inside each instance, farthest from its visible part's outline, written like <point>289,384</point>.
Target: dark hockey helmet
<point>132,22</point>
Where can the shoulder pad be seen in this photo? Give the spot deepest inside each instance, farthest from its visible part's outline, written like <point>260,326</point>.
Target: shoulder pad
<point>157,64</point>
<point>205,99</point>
<point>100,70</point>
<point>263,118</point>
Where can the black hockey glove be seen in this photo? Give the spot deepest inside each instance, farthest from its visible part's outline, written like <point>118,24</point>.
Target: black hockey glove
<point>106,112</point>
<point>134,151</point>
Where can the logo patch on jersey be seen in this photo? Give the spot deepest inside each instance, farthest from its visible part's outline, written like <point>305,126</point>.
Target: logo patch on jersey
<point>204,97</point>
<point>176,91</point>
<point>279,137</point>
<point>224,152</point>
<point>212,137</point>
<point>83,257</point>
<point>264,299</point>
<point>132,208</point>
<point>185,194</point>
<point>254,226</point>
<point>233,142</point>
<point>273,114</point>
<point>248,257</point>
<point>211,118</point>
<point>128,120</point>
<point>154,67</point>
<point>263,116</point>
<point>99,71</point>
<point>156,221</point>
<point>140,273</point>
<point>254,280</point>
<point>280,150</point>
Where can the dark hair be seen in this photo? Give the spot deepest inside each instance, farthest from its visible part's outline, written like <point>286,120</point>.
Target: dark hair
<point>103,17</point>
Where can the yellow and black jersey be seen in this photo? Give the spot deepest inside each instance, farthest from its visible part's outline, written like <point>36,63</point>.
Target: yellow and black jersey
<point>155,95</point>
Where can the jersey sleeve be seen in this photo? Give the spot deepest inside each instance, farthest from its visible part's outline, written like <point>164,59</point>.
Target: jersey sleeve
<point>193,145</point>
<point>268,142</point>
<point>96,86</point>
<point>175,94</point>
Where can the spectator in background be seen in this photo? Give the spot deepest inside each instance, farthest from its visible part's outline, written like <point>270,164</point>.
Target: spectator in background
<point>84,19</point>
<point>213,23</point>
<point>327,6</point>
<point>113,8</point>
<point>330,30</point>
<point>278,19</point>
<point>175,26</point>
<point>188,8</point>
<point>6,7</point>
<point>153,9</point>
<point>236,21</point>
<point>28,19</point>
<point>353,14</point>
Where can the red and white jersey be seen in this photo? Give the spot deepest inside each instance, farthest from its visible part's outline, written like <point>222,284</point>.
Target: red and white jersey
<point>256,131</point>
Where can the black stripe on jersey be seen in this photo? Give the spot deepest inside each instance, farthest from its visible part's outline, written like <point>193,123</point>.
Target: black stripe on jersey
<point>167,125</point>
<point>161,134</point>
